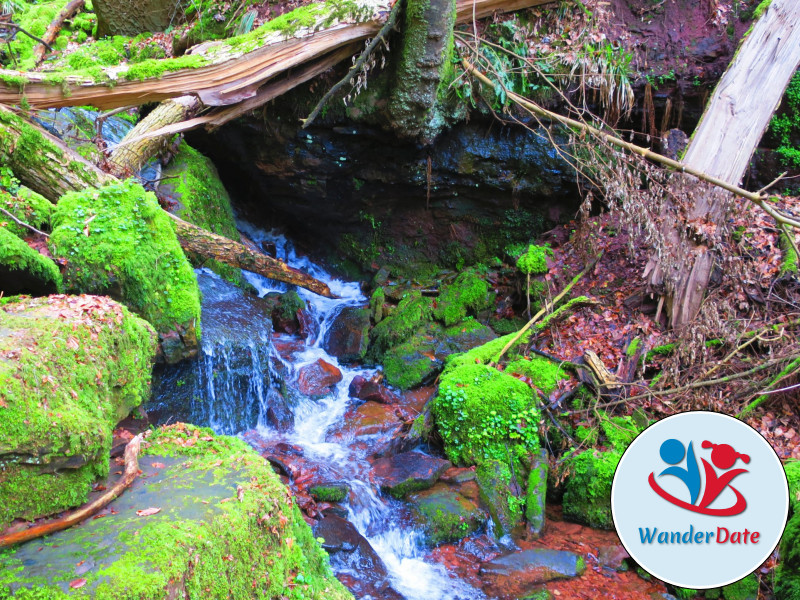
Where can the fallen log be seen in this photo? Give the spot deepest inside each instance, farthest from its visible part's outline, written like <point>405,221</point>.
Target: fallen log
<point>70,10</point>
<point>222,73</point>
<point>43,163</point>
<point>86,511</point>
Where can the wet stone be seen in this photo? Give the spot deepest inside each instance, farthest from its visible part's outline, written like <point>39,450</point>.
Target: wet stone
<point>318,379</point>
<point>347,338</point>
<point>446,515</point>
<point>371,391</point>
<point>329,491</point>
<point>408,472</point>
<point>517,575</point>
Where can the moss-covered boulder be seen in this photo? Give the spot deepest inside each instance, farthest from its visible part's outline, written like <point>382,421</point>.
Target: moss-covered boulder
<point>29,207</point>
<point>117,241</point>
<point>24,270</point>
<point>587,491</point>
<point>412,316</point>
<point>787,574</point>
<point>744,589</point>
<point>469,293</point>
<point>501,493</point>
<point>225,528</point>
<point>191,181</point>
<point>71,367</point>
<point>445,515</point>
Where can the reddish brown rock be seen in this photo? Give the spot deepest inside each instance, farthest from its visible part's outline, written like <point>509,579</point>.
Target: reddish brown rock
<point>408,472</point>
<point>318,379</point>
<point>520,574</point>
<point>372,390</point>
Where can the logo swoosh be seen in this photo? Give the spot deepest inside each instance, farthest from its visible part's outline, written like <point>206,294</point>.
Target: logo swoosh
<point>739,507</point>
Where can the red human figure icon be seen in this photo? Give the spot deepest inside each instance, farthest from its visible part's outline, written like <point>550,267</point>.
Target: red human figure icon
<point>724,457</point>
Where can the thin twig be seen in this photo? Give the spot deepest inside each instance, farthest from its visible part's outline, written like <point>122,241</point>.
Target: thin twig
<point>22,223</point>
<point>30,35</point>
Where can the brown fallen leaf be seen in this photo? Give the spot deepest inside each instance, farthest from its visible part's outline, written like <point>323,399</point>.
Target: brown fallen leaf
<point>77,583</point>
<point>157,465</point>
<point>146,512</point>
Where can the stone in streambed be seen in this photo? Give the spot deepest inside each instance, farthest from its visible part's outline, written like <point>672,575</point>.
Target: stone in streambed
<point>329,491</point>
<point>348,337</point>
<point>446,515</point>
<point>318,379</point>
<point>408,472</point>
<point>371,390</point>
<point>518,575</point>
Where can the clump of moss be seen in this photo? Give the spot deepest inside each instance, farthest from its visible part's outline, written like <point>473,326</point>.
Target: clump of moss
<point>785,126</point>
<point>192,182</point>
<point>17,258</point>
<point>534,261</point>
<point>249,541</point>
<point>73,367</point>
<point>543,373</point>
<point>410,363</point>
<point>468,292</point>
<point>587,491</point>
<point>744,589</point>
<point>117,241</point>
<point>410,316</point>
<point>27,206</point>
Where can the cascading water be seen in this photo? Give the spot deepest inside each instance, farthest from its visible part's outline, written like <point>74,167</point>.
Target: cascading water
<point>231,388</point>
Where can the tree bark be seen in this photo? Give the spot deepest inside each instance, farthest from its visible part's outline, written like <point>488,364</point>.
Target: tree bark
<point>734,121</point>
<point>48,167</point>
<point>86,511</point>
<point>70,10</point>
<point>132,17</point>
<point>222,73</point>
<point>136,148</point>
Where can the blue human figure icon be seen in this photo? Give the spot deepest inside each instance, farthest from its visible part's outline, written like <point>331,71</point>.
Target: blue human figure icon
<point>672,453</point>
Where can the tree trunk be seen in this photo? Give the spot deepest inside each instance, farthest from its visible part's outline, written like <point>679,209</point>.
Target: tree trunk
<point>132,17</point>
<point>226,72</point>
<point>136,148</point>
<point>48,167</point>
<point>723,143</point>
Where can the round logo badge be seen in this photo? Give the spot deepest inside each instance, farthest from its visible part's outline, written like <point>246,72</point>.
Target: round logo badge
<point>700,500</point>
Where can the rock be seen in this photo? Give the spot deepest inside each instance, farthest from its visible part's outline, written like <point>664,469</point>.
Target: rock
<point>93,358</point>
<point>536,494</point>
<point>285,315</point>
<point>329,491</point>
<point>412,363</point>
<point>318,379</point>
<point>377,424</point>
<point>218,506</point>
<point>23,270</point>
<point>518,574</point>
<point>458,475</point>
<point>279,414</point>
<point>497,487</point>
<point>612,556</point>
<point>587,492</point>
<point>446,515</point>
<point>408,472</point>
<point>352,553</point>
<point>371,390</point>
<point>348,337</point>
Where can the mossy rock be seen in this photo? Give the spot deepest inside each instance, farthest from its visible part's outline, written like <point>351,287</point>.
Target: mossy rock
<point>227,528</point>
<point>412,363</point>
<point>543,373</point>
<point>446,515</point>
<point>191,181</point>
<point>117,241</point>
<point>787,574</point>
<point>536,494</point>
<point>29,207</point>
<point>24,270</point>
<point>480,411</point>
<point>469,293</point>
<point>499,494</point>
<point>587,490</point>
<point>412,315</point>
<point>466,335</point>
<point>329,491</point>
<point>744,589</point>
<point>792,469</point>
<point>72,368</point>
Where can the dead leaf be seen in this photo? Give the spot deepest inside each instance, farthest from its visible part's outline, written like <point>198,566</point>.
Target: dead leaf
<point>157,465</point>
<point>77,583</point>
<point>146,512</point>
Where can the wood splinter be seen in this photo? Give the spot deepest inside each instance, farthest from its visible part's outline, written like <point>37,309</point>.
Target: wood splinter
<point>86,511</point>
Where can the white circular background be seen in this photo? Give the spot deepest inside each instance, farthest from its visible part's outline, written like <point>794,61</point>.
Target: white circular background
<point>635,505</point>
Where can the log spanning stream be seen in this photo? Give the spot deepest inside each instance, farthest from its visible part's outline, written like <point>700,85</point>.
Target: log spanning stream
<point>245,383</point>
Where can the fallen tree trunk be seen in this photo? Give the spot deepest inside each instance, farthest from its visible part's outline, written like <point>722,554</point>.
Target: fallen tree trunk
<point>48,167</point>
<point>70,10</point>
<point>135,149</point>
<point>733,123</point>
<point>86,511</point>
<point>222,73</point>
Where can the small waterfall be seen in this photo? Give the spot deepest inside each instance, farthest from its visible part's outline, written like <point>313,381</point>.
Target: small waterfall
<point>234,382</point>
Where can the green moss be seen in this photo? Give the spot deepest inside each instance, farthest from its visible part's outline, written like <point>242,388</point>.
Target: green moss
<point>534,261</point>
<point>376,302</point>
<point>29,207</point>
<point>411,315</point>
<point>792,469</point>
<point>102,53</point>
<point>488,352</point>
<point>543,373</point>
<point>761,9</point>
<point>409,364</point>
<point>480,411</point>
<point>192,182</point>
<point>789,263</point>
<point>787,574</point>
<point>744,589</point>
<point>328,492</point>
<point>291,303</point>
<point>587,491</point>
<point>446,515</point>
<point>468,293</point>
<point>131,253</point>
<point>495,482</point>
<point>785,125</point>
<point>684,593</point>
<point>619,431</point>
<point>74,368</point>
<point>254,546</point>
<point>16,255</point>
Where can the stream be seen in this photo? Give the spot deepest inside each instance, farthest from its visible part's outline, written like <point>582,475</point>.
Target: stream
<point>234,388</point>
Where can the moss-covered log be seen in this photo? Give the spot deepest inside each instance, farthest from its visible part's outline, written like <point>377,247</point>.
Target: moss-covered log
<point>223,72</point>
<point>51,169</point>
<point>422,73</point>
<point>50,35</point>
